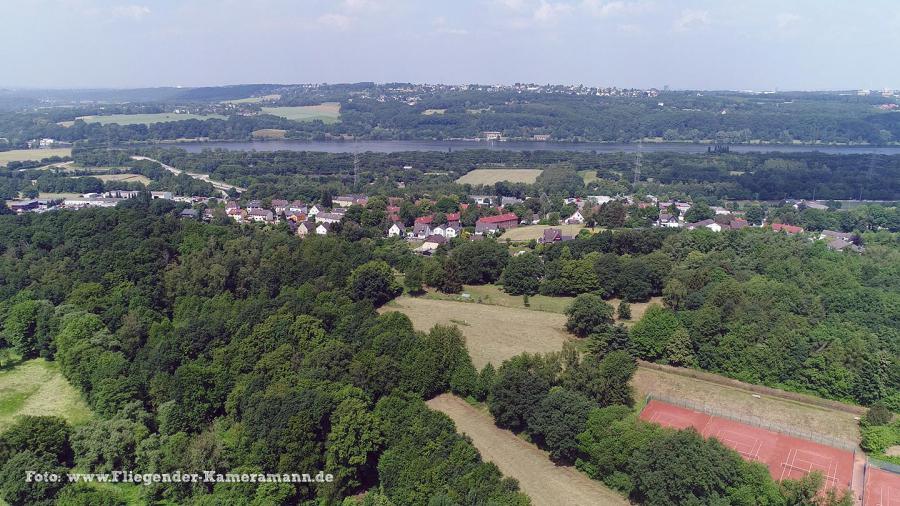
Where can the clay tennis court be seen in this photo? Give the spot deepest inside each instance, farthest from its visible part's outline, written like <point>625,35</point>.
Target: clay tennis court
<point>882,488</point>
<point>786,457</point>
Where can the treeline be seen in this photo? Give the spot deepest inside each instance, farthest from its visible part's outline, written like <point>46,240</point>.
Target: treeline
<point>236,350</point>
<point>708,176</point>
<point>753,305</point>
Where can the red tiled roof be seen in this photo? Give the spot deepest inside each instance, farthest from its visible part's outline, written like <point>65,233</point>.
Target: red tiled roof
<point>453,217</point>
<point>791,229</point>
<point>424,219</point>
<point>499,219</point>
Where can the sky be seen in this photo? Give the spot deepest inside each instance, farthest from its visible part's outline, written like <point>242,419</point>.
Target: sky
<point>690,44</point>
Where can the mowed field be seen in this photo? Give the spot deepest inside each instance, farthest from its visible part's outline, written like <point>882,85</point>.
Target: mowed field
<point>36,387</point>
<point>146,119</point>
<point>535,232</point>
<point>329,112</point>
<point>253,100</point>
<point>494,295</point>
<point>24,155</point>
<point>491,176</point>
<point>546,483</point>
<point>493,333</point>
<point>131,178</point>
<point>269,133</point>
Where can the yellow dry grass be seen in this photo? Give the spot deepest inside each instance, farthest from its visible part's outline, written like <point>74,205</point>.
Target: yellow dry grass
<point>24,155</point>
<point>491,176</point>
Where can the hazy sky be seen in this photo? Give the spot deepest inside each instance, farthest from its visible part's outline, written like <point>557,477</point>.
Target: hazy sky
<point>740,44</point>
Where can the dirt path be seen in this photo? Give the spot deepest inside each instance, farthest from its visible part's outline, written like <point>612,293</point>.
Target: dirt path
<point>546,483</point>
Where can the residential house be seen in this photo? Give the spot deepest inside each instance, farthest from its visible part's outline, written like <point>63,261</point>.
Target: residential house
<point>720,211</point>
<point>600,199</point>
<point>349,200</point>
<point>323,228</point>
<point>839,244</point>
<point>710,224</point>
<point>668,220</point>
<point>831,234</point>
<point>297,207</point>
<point>421,230</point>
<point>509,201</point>
<point>552,235</point>
<point>305,228</point>
<point>396,230</point>
<point>493,224</point>
<point>279,206</point>
<point>483,200</point>
<point>738,223</point>
<point>314,210</point>
<point>237,214</point>
<point>328,218</point>
<point>453,218</point>
<point>575,219</point>
<point>260,215</point>
<point>190,214</point>
<point>788,229</point>
<point>431,243</point>
<point>254,204</point>
<point>448,230</point>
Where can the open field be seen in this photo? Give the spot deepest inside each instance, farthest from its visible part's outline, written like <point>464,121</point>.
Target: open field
<point>493,333</point>
<point>535,232</point>
<point>268,133</point>
<point>131,178</point>
<point>491,176</point>
<point>589,176</point>
<point>55,196</point>
<point>816,419</point>
<point>23,155</point>
<point>329,112</point>
<point>494,295</point>
<point>253,100</point>
<point>546,483</point>
<point>36,387</point>
<point>146,119</point>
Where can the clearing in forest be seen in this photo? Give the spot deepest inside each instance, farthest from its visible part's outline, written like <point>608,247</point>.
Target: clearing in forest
<point>536,232</point>
<point>27,155</point>
<point>36,387</point>
<point>146,119</point>
<point>491,176</point>
<point>493,333</point>
<point>329,112</point>
<point>546,483</point>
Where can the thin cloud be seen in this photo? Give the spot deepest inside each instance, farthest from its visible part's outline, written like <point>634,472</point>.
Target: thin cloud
<point>690,19</point>
<point>786,20</point>
<point>335,20</point>
<point>550,12</point>
<point>601,9</point>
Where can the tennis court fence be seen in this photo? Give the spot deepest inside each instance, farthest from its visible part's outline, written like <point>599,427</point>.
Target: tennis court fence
<point>756,421</point>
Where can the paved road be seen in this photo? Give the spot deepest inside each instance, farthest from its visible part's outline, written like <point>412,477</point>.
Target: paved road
<point>219,185</point>
<point>545,482</point>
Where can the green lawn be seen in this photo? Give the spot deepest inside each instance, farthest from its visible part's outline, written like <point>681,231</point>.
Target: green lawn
<point>589,176</point>
<point>22,155</point>
<point>36,387</point>
<point>146,119</point>
<point>329,112</point>
<point>494,295</point>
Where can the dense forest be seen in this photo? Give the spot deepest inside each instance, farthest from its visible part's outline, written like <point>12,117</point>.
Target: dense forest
<point>205,347</point>
<point>408,111</point>
<point>708,176</point>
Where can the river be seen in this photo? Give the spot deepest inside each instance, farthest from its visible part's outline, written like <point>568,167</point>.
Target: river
<point>599,147</point>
